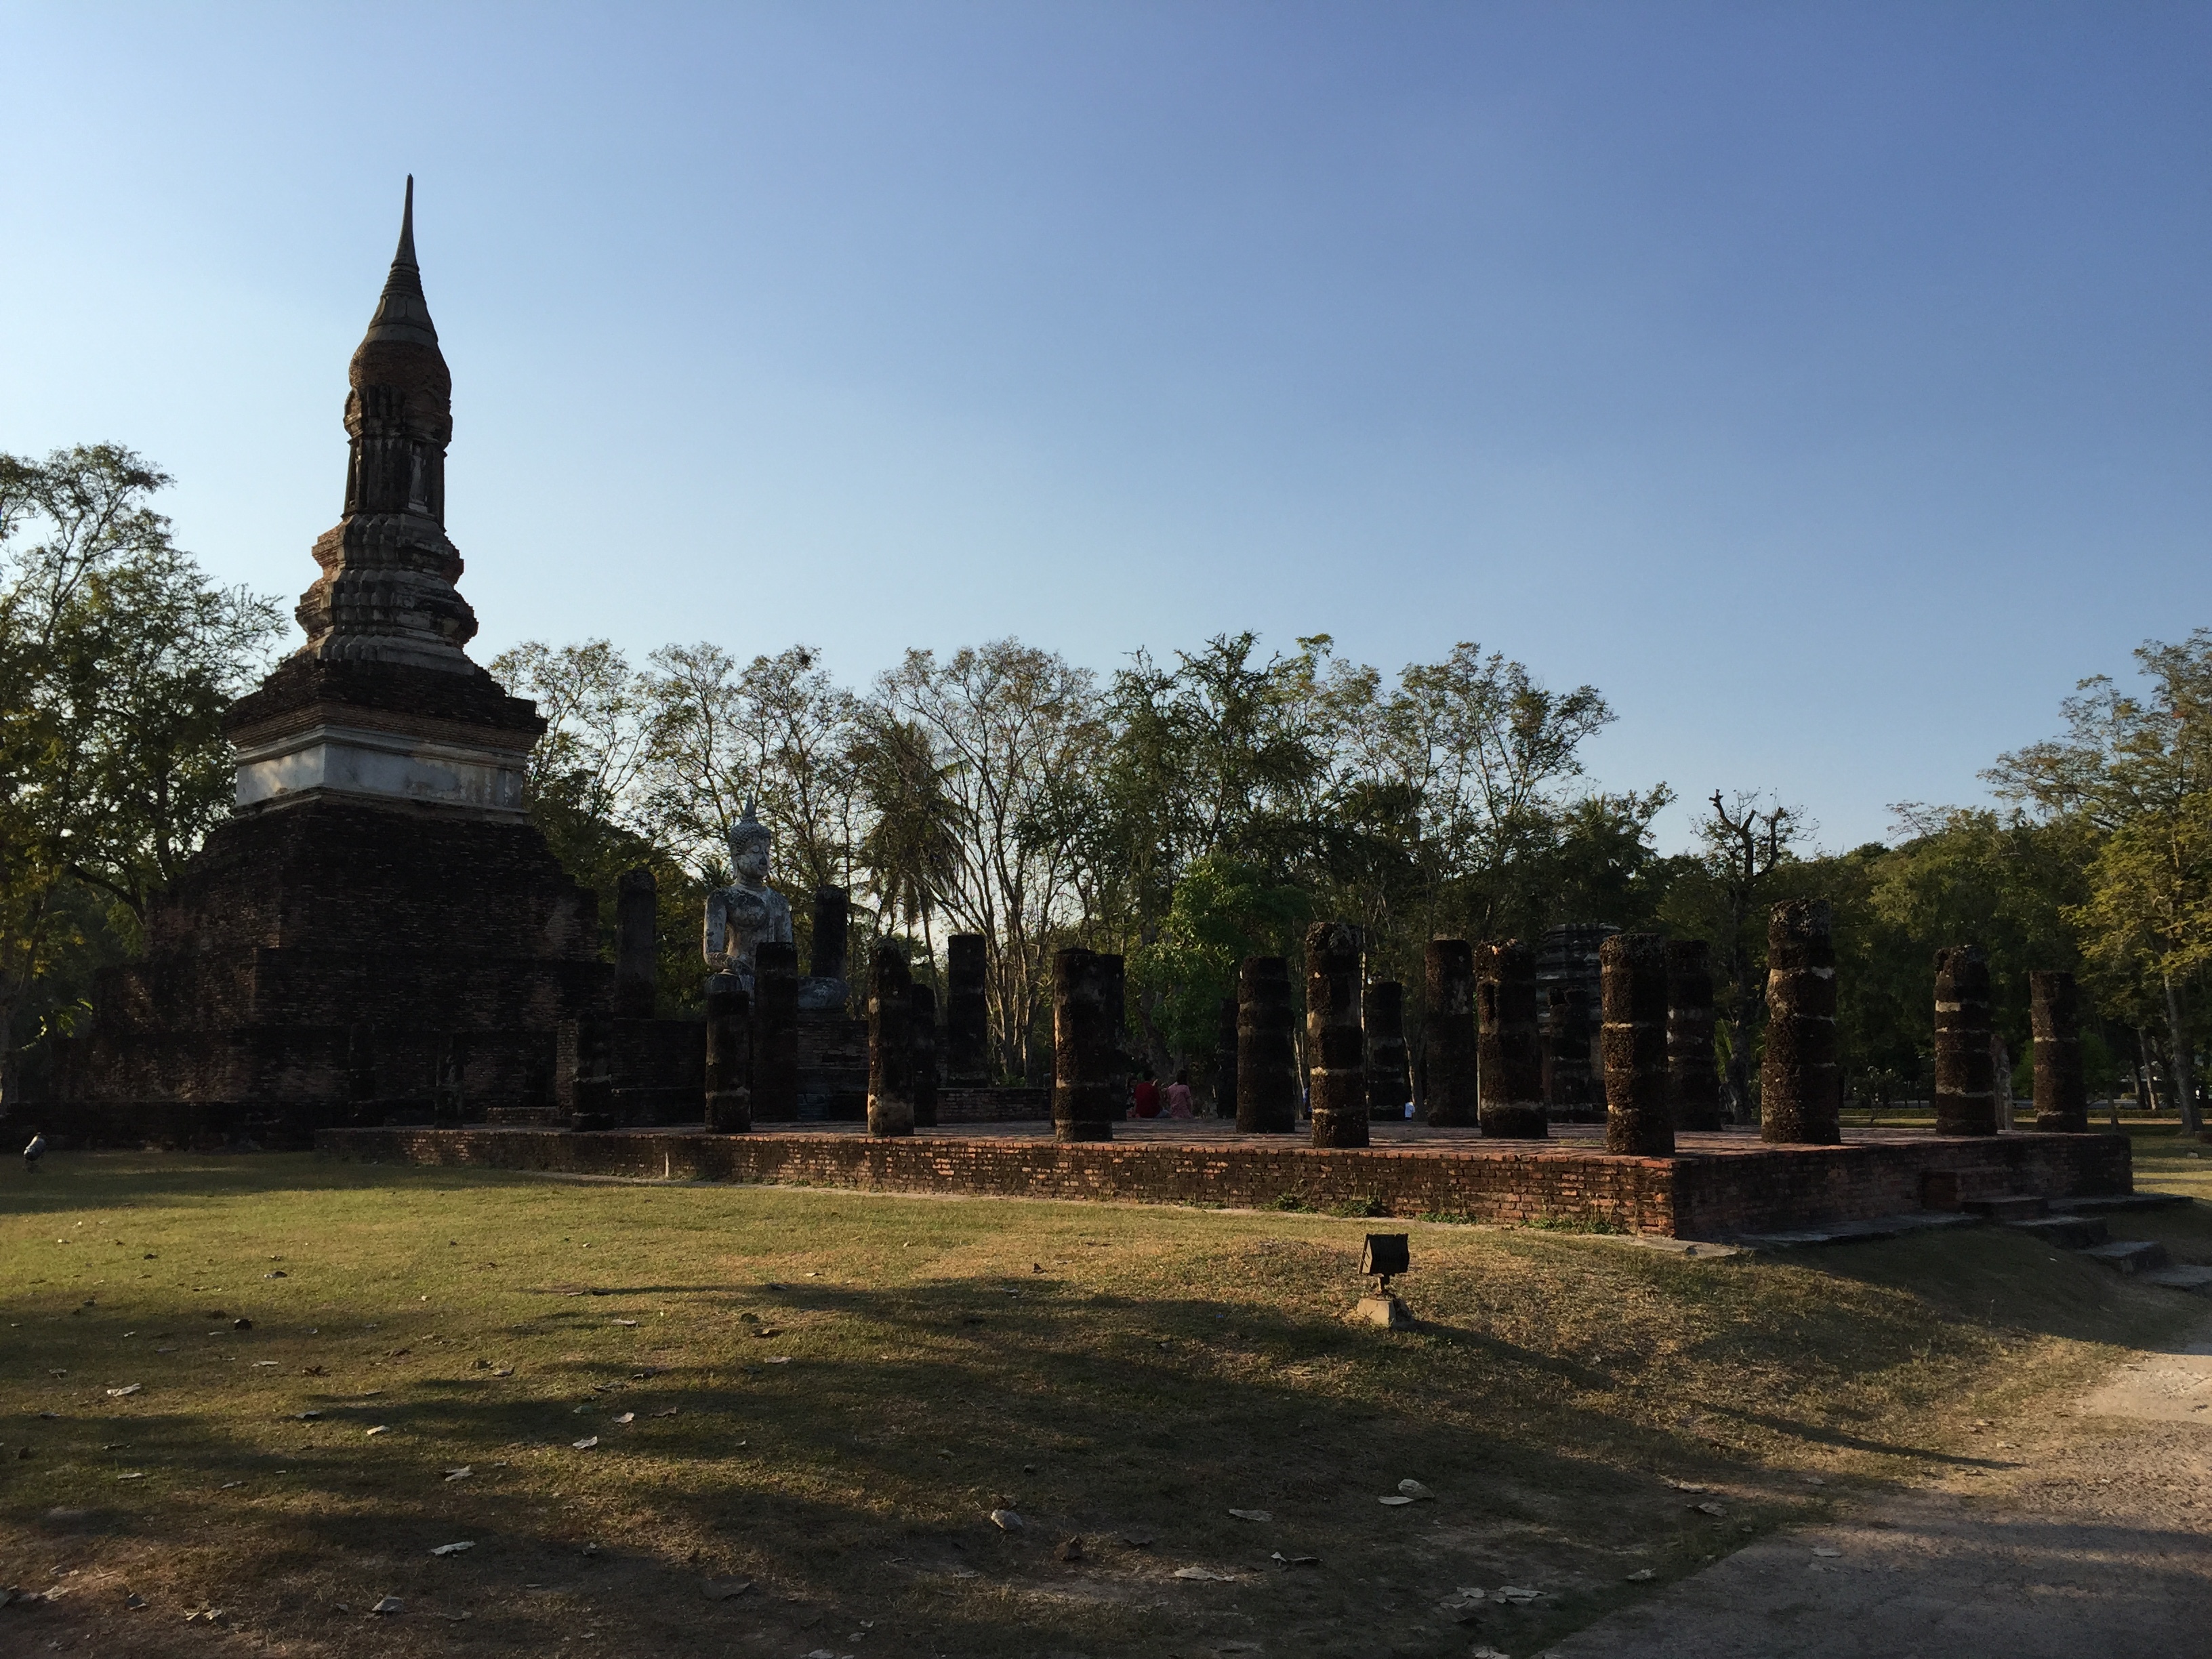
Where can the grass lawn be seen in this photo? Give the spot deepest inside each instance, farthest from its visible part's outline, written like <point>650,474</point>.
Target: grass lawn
<point>824,1395</point>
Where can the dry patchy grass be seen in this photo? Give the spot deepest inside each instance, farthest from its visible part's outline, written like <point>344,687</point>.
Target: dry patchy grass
<point>825,1394</point>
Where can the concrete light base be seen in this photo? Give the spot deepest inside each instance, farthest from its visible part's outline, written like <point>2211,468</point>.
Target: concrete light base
<point>1388,1311</point>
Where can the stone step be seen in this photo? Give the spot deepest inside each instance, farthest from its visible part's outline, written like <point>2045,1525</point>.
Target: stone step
<point>2010,1207</point>
<point>2117,1203</point>
<point>2068,1232</point>
<point>2129,1256</point>
<point>2198,1279</point>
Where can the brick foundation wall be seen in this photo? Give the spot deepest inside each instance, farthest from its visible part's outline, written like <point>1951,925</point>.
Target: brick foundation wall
<point>1692,1197</point>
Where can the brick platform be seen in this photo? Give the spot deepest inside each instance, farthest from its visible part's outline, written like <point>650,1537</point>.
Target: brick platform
<point>1716,1185</point>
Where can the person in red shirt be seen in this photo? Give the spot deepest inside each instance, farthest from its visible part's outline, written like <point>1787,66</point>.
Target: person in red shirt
<point>1145,1097</point>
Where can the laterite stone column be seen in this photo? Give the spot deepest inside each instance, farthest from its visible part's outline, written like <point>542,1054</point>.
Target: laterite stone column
<point>2062,1099</point>
<point>1224,1060</point>
<point>637,962</point>
<point>890,1044</point>
<point>1633,981</point>
<point>1508,1049</point>
<point>1389,1085</point>
<point>1800,1095</point>
<point>1267,1059</point>
<point>1965,1091</point>
<point>923,1031</point>
<point>1083,1059</point>
<point>1694,1082</point>
<point>1336,1043</point>
<point>775,1032</point>
<point>967,1013</point>
<point>729,1055</point>
<point>1448,1033</point>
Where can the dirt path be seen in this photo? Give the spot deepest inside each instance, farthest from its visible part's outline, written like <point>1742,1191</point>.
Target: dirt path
<point>2089,1534</point>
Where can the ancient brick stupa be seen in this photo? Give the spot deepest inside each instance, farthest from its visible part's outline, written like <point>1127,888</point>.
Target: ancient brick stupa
<point>378,933</point>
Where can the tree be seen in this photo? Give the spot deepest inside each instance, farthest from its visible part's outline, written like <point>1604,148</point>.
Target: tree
<point>117,658</point>
<point>1745,842</point>
<point>2136,771</point>
<point>912,847</point>
<point>1011,727</point>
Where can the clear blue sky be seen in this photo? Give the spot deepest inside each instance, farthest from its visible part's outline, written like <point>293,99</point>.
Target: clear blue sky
<point>1828,383</point>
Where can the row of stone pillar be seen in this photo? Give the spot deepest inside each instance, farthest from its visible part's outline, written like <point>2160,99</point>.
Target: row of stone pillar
<point>1657,1040</point>
<point>752,1045</point>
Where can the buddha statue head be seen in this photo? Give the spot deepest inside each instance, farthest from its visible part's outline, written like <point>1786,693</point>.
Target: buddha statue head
<point>750,843</point>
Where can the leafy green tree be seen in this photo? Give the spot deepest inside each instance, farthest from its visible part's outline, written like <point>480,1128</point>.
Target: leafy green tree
<point>916,827</point>
<point>118,657</point>
<point>2134,770</point>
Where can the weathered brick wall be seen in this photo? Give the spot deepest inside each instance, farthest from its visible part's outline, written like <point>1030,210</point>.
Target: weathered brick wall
<point>1692,1196</point>
<point>1787,1187</point>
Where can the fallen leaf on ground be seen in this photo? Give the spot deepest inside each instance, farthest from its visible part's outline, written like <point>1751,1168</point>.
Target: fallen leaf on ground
<point>1486,1653</point>
<point>1295,1560</point>
<point>627,1417</point>
<point>722,1589</point>
<point>305,1416</point>
<point>381,1428</point>
<point>1642,1576</point>
<point>1831,1554</point>
<point>1394,1501</point>
<point>1709,1508</point>
<point>779,1359</point>
<point>671,1412</point>
<point>1207,1574</point>
<point>586,1444</point>
<point>504,1370</point>
<point>1005,1520</point>
<point>1252,1514</point>
<point>1685,1485</point>
<point>625,1322</point>
<point>1415,1489</point>
<point>389,1604</point>
<point>461,1473</point>
<point>1515,1595</point>
<point>453,1549</point>
<point>127,1390</point>
<point>134,1474</point>
<point>1070,1550</point>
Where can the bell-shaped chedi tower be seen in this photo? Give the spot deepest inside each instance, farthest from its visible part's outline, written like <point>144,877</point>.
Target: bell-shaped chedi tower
<point>382,700</point>
<point>378,933</point>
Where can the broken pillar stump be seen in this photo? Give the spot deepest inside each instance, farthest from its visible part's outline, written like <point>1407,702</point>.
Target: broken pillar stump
<point>775,1032</point>
<point>1336,1043</point>
<point>1510,1056</point>
<point>729,1055</point>
<point>890,1044</point>
<point>1632,992</point>
<point>1267,1058</point>
<point>924,1037</point>
<point>1800,1092</point>
<point>1225,1059</point>
<point>2061,1098</point>
<point>1390,1082</point>
<point>1966,1083</point>
<point>1084,1103</point>
<point>637,953</point>
<point>1693,1080</point>
<point>967,1013</point>
<point>1448,1033</point>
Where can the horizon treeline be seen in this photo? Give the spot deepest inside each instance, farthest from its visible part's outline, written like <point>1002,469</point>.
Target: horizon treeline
<point>1187,810</point>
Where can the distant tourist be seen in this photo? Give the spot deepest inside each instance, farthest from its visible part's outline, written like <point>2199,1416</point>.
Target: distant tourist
<point>1179,1095</point>
<point>1146,1096</point>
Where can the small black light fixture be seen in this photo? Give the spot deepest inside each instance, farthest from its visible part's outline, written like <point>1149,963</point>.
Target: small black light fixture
<point>1384,1258</point>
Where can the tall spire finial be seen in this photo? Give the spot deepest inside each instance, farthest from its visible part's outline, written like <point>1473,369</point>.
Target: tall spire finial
<point>406,254</point>
<point>402,315</point>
